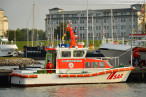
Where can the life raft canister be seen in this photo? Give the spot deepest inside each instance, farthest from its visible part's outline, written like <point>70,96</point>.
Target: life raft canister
<point>71,65</point>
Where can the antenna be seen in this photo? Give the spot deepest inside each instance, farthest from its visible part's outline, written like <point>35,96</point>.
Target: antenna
<point>33,23</point>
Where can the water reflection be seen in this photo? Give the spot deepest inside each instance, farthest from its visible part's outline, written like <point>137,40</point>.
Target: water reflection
<point>93,90</point>
<point>90,90</point>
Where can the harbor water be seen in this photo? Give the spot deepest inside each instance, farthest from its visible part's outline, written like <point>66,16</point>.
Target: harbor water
<point>83,90</point>
<point>86,90</point>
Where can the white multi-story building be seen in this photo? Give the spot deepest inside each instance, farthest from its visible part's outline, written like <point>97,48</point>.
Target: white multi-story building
<point>3,23</point>
<point>121,20</point>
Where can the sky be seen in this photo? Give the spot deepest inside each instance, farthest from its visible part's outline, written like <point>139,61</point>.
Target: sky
<point>20,12</point>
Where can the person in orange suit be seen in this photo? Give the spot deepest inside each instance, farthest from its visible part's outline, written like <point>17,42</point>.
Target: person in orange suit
<point>49,66</point>
<point>136,56</point>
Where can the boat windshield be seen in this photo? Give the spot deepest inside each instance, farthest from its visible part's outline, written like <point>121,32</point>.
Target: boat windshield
<point>78,53</point>
<point>66,53</point>
<point>108,64</point>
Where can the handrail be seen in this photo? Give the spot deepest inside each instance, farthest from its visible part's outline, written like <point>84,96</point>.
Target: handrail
<point>107,58</point>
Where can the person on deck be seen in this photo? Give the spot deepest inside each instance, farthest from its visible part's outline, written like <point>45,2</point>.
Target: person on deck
<point>136,56</point>
<point>49,66</point>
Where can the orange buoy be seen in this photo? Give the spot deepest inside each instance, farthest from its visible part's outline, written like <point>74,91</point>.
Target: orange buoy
<point>80,75</point>
<point>12,74</point>
<point>122,69</point>
<point>86,75</point>
<point>25,76</point>
<point>100,73</point>
<point>94,74</point>
<point>115,70</point>
<point>72,75</point>
<point>65,75</point>
<point>127,69</point>
<point>19,75</point>
<point>109,71</point>
<point>36,76</point>
<point>31,76</point>
<point>131,68</point>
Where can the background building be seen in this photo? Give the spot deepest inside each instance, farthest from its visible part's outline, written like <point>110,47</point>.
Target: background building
<point>101,25</point>
<point>3,23</point>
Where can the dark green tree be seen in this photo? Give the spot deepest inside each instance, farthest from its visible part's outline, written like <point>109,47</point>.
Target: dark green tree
<point>21,34</point>
<point>10,35</point>
<point>59,31</point>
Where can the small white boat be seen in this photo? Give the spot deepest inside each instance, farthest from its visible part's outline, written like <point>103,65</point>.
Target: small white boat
<point>71,67</point>
<point>7,49</point>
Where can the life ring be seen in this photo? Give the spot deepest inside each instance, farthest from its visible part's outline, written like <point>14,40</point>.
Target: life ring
<point>71,65</point>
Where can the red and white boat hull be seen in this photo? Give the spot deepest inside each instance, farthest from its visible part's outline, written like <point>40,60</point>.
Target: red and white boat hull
<point>108,76</point>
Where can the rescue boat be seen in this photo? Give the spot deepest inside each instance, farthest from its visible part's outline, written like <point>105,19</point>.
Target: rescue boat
<point>71,67</point>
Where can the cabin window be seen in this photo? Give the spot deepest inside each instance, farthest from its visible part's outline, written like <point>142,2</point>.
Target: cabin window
<point>94,64</point>
<point>66,53</point>
<point>101,65</point>
<point>108,64</point>
<point>88,65</point>
<point>78,53</point>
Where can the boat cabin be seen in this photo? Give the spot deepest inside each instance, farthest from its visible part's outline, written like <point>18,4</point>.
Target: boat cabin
<point>3,41</point>
<point>72,60</point>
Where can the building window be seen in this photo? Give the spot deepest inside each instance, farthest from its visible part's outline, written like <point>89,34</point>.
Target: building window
<point>122,19</point>
<point>82,15</point>
<point>123,26</point>
<point>90,14</point>
<point>121,33</point>
<point>115,13</point>
<point>104,20</point>
<point>82,21</point>
<point>129,26</point>
<point>107,34</point>
<point>104,13</point>
<point>99,27</point>
<point>115,27</point>
<point>96,27</point>
<point>83,35</point>
<point>107,27</point>
<point>124,34</point>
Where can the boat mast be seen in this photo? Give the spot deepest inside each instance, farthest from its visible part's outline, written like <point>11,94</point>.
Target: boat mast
<point>50,30</point>
<point>53,36</point>
<point>87,25</point>
<point>27,37</point>
<point>63,25</point>
<point>79,27</point>
<point>111,25</point>
<point>92,29</point>
<point>33,23</point>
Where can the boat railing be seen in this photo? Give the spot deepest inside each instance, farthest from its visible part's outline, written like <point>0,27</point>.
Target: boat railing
<point>71,71</point>
<point>113,60</point>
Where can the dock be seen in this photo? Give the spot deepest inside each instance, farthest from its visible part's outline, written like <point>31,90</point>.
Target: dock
<point>136,76</point>
<point>4,79</point>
